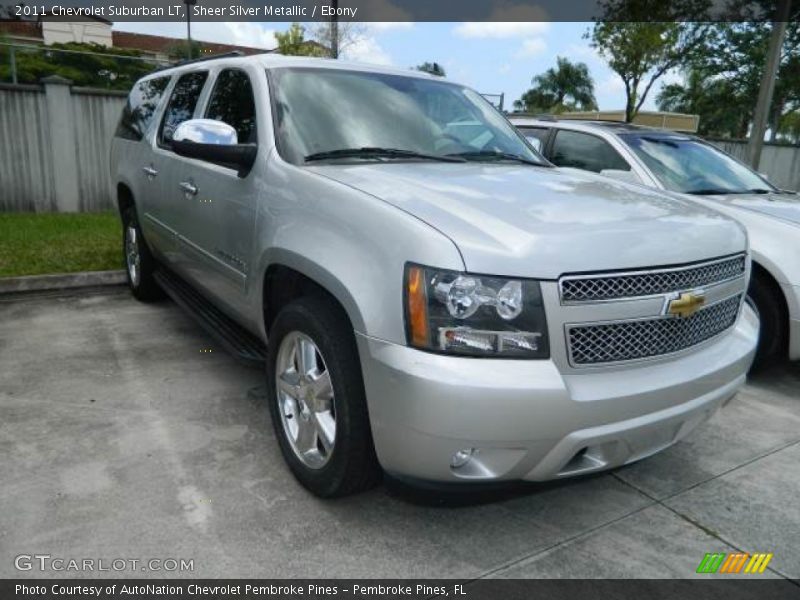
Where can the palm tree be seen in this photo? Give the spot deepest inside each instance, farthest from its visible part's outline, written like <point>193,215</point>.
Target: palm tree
<point>568,86</point>
<point>723,109</point>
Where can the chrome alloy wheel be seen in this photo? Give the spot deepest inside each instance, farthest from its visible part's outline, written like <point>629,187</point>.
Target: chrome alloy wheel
<point>132,257</point>
<point>305,399</point>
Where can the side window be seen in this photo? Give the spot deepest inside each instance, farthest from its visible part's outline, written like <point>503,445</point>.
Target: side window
<point>140,108</point>
<point>232,103</point>
<point>585,151</point>
<point>181,104</point>
<point>536,136</point>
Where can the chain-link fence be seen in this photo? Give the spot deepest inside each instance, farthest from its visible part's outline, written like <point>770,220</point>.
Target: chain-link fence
<point>103,68</point>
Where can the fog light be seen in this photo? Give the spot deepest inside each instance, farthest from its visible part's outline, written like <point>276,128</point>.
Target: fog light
<point>462,457</point>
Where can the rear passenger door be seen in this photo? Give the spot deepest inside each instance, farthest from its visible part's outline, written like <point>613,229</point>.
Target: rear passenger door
<point>137,166</point>
<point>225,203</point>
<point>177,208</point>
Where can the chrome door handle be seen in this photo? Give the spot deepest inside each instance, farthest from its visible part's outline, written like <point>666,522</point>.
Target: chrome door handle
<point>150,172</point>
<point>188,187</point>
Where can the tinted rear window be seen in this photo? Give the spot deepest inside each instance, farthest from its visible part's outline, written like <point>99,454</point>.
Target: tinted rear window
<point>585,151</point>
<point>141,107</point>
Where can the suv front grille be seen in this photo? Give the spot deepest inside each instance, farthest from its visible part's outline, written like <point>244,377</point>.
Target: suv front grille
<point>594,288</point>
<point>630,340</point>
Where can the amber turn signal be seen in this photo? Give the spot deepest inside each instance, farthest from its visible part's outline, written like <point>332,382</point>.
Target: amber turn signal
<point>417,306</point>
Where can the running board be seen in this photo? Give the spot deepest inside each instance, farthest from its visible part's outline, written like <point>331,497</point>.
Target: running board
<point>246,348</point>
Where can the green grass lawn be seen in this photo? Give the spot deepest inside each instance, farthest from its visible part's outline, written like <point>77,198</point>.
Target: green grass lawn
<point>34,244</point>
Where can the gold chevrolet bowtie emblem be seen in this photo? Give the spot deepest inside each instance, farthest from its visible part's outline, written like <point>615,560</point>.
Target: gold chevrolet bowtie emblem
<point>686,304</point>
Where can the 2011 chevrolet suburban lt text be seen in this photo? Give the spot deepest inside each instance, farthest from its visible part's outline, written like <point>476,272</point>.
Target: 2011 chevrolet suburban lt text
<point>435,299</point>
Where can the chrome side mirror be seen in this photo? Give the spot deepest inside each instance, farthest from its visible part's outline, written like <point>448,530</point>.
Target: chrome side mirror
<point>206,131</point>
<point>214,142</point>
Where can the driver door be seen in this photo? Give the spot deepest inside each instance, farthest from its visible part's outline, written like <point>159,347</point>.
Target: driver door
<point>225,203</point>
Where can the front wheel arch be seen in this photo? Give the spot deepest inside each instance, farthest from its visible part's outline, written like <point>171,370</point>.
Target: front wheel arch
<point>290,276</point>
<point>766,293</point>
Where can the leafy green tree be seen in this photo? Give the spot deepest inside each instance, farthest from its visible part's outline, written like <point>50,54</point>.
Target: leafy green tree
<point>722,110</point>
<point>433,68</point>
<point>790,127</point>
<point>179,50</point>
<point>347,33</point>
<point>642,40</point>
<point>568,86</point>
<point>292,42</point>
<point>87,65</point>
<point>736,53</point>
<point>9,12</point>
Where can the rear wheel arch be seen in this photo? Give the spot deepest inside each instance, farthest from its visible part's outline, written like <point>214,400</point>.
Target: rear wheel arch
<point>124,198</point>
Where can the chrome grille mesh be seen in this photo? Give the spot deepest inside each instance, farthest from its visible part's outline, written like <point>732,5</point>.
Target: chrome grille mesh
<point>646,283</point>
<point>631,340</point>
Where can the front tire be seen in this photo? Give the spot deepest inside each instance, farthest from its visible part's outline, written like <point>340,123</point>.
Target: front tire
<point>140,266</point>
<point>316,399</point>
<point>772,338</point>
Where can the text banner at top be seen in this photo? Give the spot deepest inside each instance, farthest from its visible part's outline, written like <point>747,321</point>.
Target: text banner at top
<point>395,10</point>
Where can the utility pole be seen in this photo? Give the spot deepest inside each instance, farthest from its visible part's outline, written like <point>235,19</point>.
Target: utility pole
<point>12,56</point>
<point>334,30</point>
<point>756,142</point>
<point>189,4</point>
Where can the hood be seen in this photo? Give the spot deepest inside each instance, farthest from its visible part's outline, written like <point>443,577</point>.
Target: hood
<point>785,206</point>
<point>542,222</point>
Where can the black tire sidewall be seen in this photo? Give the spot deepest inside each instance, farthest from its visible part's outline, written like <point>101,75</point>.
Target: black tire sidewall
<point>147,289</point>
<point>352,459</point>
<point>772,331</point>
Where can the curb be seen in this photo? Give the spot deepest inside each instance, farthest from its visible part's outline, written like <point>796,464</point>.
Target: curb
<point>35,283</point>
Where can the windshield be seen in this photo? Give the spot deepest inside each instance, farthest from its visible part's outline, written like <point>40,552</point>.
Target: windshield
<point>328,110</point>
<point>689,166</point>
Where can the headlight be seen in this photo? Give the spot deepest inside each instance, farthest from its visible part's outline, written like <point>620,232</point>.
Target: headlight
<point>474,315</point>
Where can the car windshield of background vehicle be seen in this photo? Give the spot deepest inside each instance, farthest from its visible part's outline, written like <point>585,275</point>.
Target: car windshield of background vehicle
<point>688,166</point>
<point>324,110</point>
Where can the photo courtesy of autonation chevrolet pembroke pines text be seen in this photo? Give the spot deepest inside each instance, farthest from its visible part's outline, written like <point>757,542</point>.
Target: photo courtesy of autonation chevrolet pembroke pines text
<point>377,299</point>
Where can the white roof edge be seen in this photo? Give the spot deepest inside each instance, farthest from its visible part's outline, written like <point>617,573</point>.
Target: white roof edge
<point>273,60</point>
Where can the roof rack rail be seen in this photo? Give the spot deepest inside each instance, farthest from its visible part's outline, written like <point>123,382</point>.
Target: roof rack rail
<point>232,54</point>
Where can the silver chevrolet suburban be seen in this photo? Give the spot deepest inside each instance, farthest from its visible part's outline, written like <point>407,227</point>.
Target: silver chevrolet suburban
<point>428,294</point>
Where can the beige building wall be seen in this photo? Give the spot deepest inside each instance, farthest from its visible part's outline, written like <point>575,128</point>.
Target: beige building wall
<point>664,120</point>
<point>84,32</point>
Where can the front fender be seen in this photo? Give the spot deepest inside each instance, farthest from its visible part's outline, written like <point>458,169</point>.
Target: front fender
<point>351,243</point>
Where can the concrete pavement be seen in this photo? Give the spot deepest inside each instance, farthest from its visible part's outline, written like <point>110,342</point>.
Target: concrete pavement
<point>126,433</point>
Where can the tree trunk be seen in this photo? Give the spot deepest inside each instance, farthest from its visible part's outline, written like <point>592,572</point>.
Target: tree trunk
<point>629,109</point>
<point>775,118</point>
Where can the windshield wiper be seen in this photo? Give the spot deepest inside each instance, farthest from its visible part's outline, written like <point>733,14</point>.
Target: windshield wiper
<point>370,152</point>
<point>715,192</point>
<point>496,155</point>
<point>712,192</point>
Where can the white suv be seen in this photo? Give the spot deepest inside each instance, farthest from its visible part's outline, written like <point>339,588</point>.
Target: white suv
<point>686,165</point>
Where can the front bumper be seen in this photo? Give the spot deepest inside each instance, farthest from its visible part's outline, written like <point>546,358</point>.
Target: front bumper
<point>527,420</point>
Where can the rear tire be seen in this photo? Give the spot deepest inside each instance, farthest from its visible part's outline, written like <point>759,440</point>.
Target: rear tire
<point>323,432</point>
<point>772,338</point>
<point>140,266</point>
